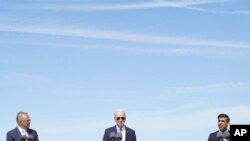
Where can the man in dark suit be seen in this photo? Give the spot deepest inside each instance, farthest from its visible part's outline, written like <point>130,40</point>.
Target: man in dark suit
<point>128,134</point>
<point>22,129</point>
<point>223,133</point>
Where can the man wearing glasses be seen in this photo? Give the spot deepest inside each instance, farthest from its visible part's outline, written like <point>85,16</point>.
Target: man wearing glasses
<point>22,131</point>
<point>128,134</point>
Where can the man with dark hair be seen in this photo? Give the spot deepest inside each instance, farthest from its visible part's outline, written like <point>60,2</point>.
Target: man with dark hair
<point>22,131</point>
<point>223,133</point>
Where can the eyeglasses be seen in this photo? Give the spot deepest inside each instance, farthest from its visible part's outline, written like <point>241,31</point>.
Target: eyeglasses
<point>27,120</point>
<point>118,118</point>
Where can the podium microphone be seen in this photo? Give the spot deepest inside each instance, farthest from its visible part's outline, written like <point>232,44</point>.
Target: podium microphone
<point>226,135</point>
<point>112,136</point>
<point>23,138</point>
<point>219,136</point>
<point>119,136</point>
<point>30,138</point>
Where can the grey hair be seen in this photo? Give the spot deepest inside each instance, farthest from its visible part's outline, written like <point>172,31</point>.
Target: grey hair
<point>120,110</point>
<point>19,115</point>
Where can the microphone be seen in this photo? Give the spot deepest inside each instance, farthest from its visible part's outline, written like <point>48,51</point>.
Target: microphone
<point>23,138</point>
<point>119,136</point>
<point>219,136</point>
<point>30,138</point>
<point>226,135</point>
<point>112,136</point>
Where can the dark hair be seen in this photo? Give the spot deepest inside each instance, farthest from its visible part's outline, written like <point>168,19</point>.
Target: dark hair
<point>224,116</point>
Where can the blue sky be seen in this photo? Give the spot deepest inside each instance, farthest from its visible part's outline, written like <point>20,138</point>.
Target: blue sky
<point>172,65</point>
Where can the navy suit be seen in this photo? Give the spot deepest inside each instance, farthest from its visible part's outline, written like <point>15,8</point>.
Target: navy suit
<point>212,136</point>
<point>15,135</point>
<point>130,133</point>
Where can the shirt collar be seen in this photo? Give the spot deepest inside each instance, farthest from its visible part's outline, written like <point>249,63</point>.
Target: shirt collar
<point>118,129</point>
<point>21,129</point>
<point>224,132</point>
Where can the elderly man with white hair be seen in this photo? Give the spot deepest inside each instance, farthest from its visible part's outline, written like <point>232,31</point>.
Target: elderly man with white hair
<point>119,130</point>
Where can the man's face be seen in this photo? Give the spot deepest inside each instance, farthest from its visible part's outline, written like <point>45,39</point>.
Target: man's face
<point>120,118</point>
<point>223,124</point>
<point>24,121</point>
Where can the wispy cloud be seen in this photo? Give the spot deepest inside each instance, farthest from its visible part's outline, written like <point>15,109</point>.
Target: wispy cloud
<point>187,122</point>
<point>239,12</point>
<point>157,123</point>
<point>194,90</point>
<point>129,37</point>
<point>166,50</point>
<point>24,77</point>
<point>112,7</point>
<point>77,7</point>
<point>169,111</point>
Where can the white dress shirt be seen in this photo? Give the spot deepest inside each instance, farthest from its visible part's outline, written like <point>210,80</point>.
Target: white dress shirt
<point>123,131</point>
<point>22,131</point>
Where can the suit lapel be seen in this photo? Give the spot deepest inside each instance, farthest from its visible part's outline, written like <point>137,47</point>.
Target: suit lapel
<point>18,134</point>
<point>29,132</point>
<point>127,133</point>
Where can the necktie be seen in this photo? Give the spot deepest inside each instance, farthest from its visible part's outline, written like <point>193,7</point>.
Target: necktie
<point>120,131</point>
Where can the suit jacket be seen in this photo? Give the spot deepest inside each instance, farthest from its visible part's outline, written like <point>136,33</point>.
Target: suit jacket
<point>213,137</point>
<point>130,134</point>
<point>15,135</point>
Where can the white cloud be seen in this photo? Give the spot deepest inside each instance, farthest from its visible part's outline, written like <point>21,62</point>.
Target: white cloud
<point>154,123</point>
<point>192,120</point>
<point>194,90</point>
<point>183,4</point>
<point>239,12</point>
<point>130,37</point>
<point>111,7</point>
